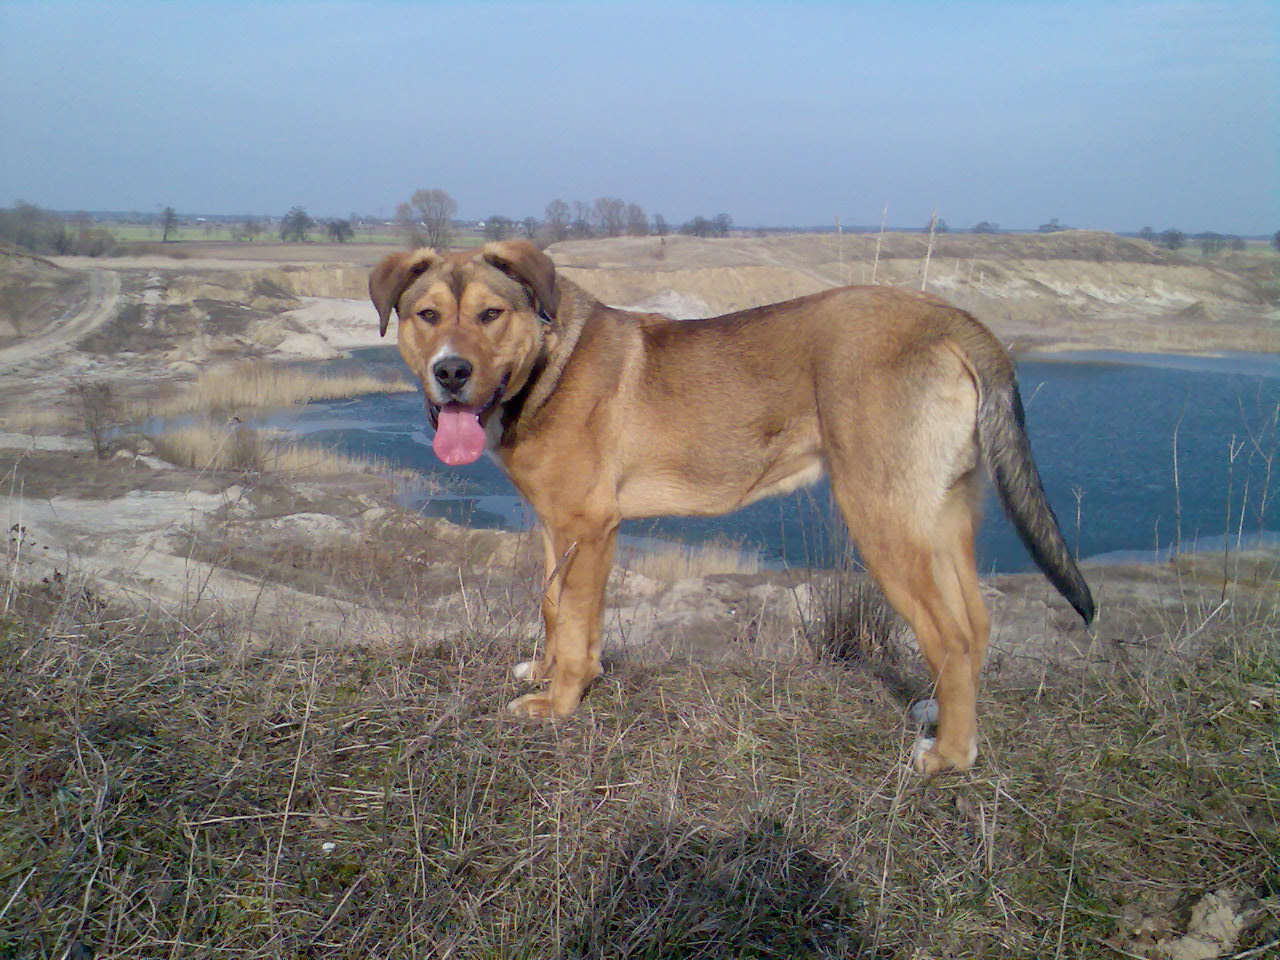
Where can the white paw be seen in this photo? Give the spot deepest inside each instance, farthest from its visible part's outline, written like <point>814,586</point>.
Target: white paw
<point>523,671</point>
<point>924,712</point>
<point>922,746</point>
<point>534,706</point>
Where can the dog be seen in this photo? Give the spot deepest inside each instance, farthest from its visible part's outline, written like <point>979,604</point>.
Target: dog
<point>598,414</point>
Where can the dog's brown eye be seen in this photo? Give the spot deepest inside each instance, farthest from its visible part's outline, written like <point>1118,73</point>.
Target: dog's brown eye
<point>429,315</point>
<point>490,315</point>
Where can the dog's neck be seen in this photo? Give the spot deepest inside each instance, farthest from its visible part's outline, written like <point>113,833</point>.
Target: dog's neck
<point>521,411</point>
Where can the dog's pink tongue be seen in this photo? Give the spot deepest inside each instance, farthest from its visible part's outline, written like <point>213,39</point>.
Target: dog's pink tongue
<point>459,436</point>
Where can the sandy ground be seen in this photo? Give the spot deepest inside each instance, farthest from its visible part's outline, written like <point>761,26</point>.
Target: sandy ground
<point>343,324</point>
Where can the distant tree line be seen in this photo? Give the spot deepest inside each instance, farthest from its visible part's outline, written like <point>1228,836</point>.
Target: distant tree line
<point>1210,243</point>
<point>428,219</point>
<point>297,224</point>
<point>27,226</point>
<point>718,226</point>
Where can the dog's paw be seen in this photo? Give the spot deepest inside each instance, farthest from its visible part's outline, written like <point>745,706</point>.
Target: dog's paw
<point>927,759</point>
<point>532,706</point>
<point>527,670</point>
<point>919,750</point>
<point>924,713</point>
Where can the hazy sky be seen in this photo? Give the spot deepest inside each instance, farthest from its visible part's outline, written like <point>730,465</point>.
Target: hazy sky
<point>1102,113</point>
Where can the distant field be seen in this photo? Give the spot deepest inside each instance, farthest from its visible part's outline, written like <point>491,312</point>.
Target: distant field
<point>141,233</point>
<point>222,233</point>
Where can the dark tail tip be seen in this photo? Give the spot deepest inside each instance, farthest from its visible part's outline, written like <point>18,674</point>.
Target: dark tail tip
<point>1082,600</point>
<point>1004,439</point>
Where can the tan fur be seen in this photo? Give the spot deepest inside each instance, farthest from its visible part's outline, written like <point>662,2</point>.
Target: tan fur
<point>599,414</point>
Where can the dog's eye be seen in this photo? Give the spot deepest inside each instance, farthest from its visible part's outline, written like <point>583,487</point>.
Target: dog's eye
<point>490,315</point>
<point>429,315</point>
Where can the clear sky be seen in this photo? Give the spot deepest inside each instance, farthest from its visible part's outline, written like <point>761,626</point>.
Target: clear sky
<point>1107,114</point>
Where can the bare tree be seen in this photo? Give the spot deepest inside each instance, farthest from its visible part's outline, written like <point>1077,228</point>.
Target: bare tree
<point>697,227</point>
<point>558,219</point>
<point>610,214</point>
<point>294,226</point>
<point>249,229</point>
<point>427,218</point>
<point>660,225</point>
<point>529,227</point>
<point>721,225</point>
<point>340,231</point>
<point>583,214</point>
<point>1173,238</point>
<point>168,222</point>
<point>498,227</point>
<point>99,410</point>
<point>637,221</point>
<point>1211,243</point>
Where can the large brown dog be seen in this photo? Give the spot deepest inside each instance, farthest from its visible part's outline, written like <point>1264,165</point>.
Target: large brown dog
<point>597,414</point>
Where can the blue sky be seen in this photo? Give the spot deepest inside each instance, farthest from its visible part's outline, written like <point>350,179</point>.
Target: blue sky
<point>1106,114</point>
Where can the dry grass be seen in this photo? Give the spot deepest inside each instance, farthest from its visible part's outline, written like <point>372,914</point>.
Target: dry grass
<point>239,447</point>
<point>37,420</point>
<point>169,791</point>
<point>255,385</point>
<point>679,561</point>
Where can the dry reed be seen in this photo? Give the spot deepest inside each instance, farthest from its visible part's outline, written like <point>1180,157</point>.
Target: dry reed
<point>679,561</point>
<point>254,385</point>
<point>205,446</point>
<point>33,419</point>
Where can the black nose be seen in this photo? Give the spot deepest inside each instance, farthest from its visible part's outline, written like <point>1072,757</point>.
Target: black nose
<point>452,373</point>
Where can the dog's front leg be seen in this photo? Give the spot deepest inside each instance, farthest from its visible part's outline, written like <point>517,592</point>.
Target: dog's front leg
<point>579,557</point>
<point>540,669</point>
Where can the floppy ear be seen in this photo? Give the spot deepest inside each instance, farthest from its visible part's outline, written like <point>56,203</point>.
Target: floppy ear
<point>389,279</point>
<point>522,261</point>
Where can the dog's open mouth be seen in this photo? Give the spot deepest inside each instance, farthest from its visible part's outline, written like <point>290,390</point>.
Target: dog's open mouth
<point>460,437</point>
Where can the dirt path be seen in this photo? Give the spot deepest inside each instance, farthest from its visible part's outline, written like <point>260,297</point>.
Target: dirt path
<point>100,307</point>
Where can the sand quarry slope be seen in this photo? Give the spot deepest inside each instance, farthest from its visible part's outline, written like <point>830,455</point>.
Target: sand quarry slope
<point>1073,289</point>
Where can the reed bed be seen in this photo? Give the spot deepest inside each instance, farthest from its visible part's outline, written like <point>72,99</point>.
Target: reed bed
<point>680,561</point>
<point>37,420</point>
<point>239,447</point>
<point>256,385</point>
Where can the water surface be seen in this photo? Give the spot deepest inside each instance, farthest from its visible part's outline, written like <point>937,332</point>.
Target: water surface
<point>1139,454</point>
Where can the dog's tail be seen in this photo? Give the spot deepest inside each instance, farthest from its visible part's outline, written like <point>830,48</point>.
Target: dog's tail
<point>1002,434</point>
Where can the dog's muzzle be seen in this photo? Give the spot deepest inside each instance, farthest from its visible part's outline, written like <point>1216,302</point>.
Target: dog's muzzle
<point>434,406</point>
<point>451,375</point>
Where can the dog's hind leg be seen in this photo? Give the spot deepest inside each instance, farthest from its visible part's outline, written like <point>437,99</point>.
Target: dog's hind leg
<point>927,573</point>
<point>955,531</point>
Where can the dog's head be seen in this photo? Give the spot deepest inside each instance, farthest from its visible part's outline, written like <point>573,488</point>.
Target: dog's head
<point>472,326</point>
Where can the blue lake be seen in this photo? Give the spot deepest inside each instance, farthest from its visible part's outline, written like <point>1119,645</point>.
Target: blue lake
<point>1139,454</point>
